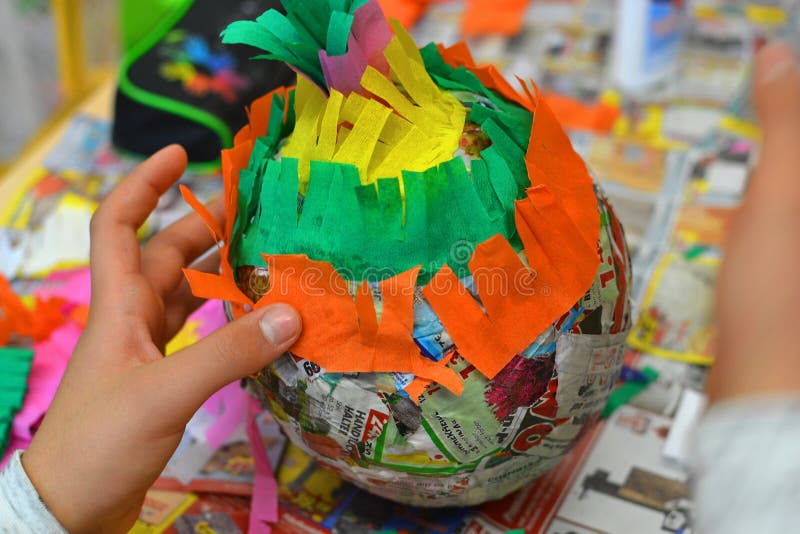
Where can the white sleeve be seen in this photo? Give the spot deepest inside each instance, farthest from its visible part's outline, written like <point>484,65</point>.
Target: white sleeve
<point>21,509</point>
<point>747,467</point>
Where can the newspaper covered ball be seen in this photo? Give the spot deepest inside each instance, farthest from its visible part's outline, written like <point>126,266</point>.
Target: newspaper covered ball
<point>463,283</point>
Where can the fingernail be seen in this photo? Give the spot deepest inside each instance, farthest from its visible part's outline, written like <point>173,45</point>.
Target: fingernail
<point>280,323</point>
<point>777,63</point>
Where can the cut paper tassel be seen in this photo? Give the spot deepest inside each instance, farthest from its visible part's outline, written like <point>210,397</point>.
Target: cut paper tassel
<point>49,363</point>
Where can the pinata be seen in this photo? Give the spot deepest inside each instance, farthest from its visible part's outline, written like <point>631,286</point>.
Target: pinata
<point>462,281</point>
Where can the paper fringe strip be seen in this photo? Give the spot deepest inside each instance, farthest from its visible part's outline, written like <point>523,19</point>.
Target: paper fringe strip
<point>16,365</point>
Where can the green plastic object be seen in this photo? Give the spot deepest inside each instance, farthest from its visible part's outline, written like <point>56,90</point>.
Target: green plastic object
<point>140,17</point>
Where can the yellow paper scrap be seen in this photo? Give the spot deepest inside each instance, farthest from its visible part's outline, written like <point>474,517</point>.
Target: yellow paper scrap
<point>740,127</point>
<point>765,15</point>
<point>186,337</point>
<point>160,510</point>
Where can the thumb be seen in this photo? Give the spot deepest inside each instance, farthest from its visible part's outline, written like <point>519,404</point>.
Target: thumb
<point>187,378</point>
<point>776,95</point>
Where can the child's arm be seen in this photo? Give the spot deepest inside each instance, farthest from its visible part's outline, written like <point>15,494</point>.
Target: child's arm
<point>121,408</point>
<point>746,457</point>
<point>759,282</point>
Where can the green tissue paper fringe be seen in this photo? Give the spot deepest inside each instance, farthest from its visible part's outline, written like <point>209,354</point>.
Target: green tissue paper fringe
<point>16,365</point>
<point>369,232</point>
<point>297,37</point>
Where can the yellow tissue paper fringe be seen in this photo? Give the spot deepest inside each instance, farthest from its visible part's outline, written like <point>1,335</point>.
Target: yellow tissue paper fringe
<point>420,128</point>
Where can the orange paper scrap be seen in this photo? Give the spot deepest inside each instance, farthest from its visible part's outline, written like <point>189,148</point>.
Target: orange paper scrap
<point>498,17</point>
<point>16,319</point>
<point>407,12</point>
<point>552,162</point>
<point>576,115</point>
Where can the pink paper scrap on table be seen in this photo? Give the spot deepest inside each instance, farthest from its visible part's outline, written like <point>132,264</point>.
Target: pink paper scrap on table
<point>49,363</point>
<point>73,286</point>
<point>229,407</point>
<point>210,317</point>
<point>264,503</point>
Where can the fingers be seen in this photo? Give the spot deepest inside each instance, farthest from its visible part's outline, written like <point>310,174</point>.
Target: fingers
<point>776,95</point>
<point>186,379</point>
<point>115,249</point>
<point>177,246</point>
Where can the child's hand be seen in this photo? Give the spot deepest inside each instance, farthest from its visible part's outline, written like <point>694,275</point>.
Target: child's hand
<point>759,284</point>
<point>121,408</point>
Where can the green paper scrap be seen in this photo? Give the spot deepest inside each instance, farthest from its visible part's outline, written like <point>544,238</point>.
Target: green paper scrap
<point>338,33</point>
<point>265,148</point>
<point>627,391</point>
<point>297,37</point>
<point>695,252</point>
<point>5,433</point>
<point>12,354</point>
<point>16,365</point>
<point>11,399</point>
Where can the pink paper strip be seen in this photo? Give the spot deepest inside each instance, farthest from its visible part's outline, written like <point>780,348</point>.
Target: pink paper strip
<point>229,406</point>
<point>73,286</point>
<point>372,33</point>
<point>49,363</point>
<point>264,503</point>
<point>210,316</point>
<point>369,36</point>
<point>344,73</point>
